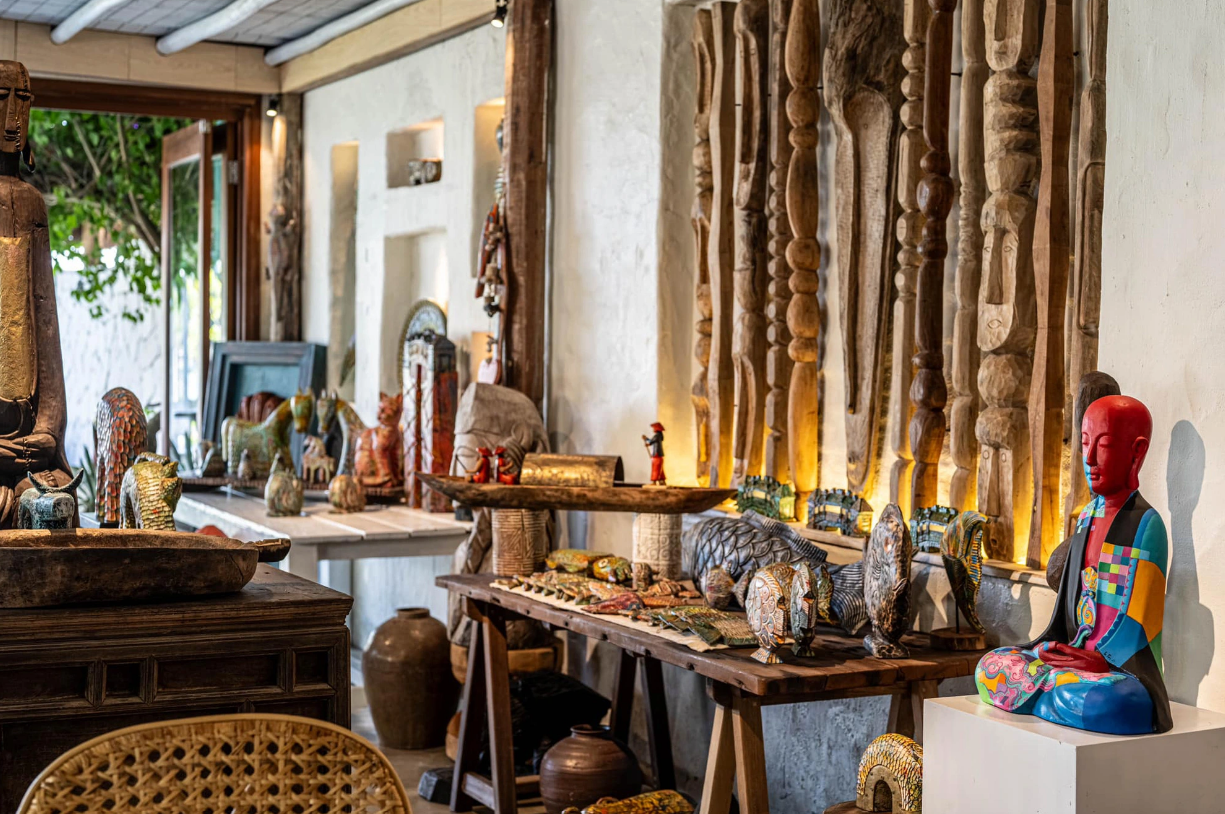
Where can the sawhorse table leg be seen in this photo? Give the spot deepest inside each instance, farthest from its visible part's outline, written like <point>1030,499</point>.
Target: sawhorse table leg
<point>906,709</point>
<point>736,742</point>
<point>659,737</point>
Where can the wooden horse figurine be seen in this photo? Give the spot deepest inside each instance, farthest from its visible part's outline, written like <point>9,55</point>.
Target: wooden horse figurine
<point>263,441</point>
<point>331,407</point>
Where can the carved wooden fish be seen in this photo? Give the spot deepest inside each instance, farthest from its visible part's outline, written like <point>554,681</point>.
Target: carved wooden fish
<point>886,584</point>
<point>962,551</point>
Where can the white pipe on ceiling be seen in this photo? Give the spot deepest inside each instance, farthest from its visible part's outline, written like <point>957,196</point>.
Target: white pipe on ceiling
<point>336,28</point>
<point>210,26</point>
<point>87,14</point>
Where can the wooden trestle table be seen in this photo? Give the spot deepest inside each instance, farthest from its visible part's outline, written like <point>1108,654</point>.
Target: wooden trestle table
<point>738,685</point>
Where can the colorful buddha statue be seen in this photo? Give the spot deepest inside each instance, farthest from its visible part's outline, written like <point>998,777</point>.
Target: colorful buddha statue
<point>1097,667</point>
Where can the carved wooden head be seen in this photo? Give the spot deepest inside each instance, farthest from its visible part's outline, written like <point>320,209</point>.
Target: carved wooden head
<point>16,98</point>
<point>1012,34</point>
<point>1007,310</point>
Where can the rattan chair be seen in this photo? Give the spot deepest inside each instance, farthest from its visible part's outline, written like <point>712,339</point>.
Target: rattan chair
<point>245,764</point>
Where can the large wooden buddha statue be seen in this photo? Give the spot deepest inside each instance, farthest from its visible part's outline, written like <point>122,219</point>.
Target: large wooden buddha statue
<point>32,410</point>
<point>1098,665</point>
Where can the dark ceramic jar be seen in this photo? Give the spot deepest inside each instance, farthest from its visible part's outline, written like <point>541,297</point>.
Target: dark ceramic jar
<point>407,672</point>
<point>586,766</point>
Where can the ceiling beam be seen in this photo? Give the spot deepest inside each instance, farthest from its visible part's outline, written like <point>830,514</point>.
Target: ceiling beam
<point>210,26</point>
<point>85,16</point>
<point>336,28</point>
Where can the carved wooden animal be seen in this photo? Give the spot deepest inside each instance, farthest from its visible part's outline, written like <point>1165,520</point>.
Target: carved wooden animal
<point>1006,307</point>
<point>283,493</point>
<point>703,182</point>
<point>963,444</point>
<point>1086,284</point>
<point>150,493</point>
<point>317,466</point>
<point>928,391</point>
<point>346,494</point>
<point>803,61</point>
<point>720,244</point>
<point>778,363</point>
<point>331,407</point>
<point>266,439</point>
<point>863,74</point>
<point>739,546</point>
<point>749,344</point>
<point>378,459</point>
<point>49,507</point>
<point>1052,247</point>
<point>909,229</point>
<point>886,585</point>
<point>122,434</point>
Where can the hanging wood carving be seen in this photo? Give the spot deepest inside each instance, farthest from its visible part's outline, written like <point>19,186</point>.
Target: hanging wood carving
<point>804,252</point>
<point>752,24</point>
<point>863,74</point>
<point>928,391</point>
<point>1086,286</point>
<point>1052,247</point>
<point>703,52</point>
<point>778,363</point>
<point>1006,309</point>
<point>909,230</point>
<point>285,222</point>
<point>721,382</point>
<point>963,443</point>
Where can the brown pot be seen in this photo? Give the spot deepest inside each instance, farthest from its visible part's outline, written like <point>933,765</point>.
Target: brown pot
<point>407,669</point>
<point>586,766</point>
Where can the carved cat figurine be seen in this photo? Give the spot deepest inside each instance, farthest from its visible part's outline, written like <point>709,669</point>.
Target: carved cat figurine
<point>379,459</point>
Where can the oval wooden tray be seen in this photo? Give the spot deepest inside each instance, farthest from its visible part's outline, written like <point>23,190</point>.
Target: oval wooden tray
<point>627,497</point>
<point>40,569</point>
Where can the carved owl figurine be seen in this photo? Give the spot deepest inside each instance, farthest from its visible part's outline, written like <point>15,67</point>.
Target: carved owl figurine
<point>768,610</point>
<point>886,584</point>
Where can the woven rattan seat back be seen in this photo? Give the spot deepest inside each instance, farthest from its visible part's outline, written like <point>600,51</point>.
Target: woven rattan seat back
<point>221,764</point>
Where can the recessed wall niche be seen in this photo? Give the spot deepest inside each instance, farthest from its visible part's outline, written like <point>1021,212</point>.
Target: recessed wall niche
<point>415,266</point>
<point>408,148</point>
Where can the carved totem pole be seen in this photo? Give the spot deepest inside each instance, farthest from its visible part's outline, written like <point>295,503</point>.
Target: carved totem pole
<point>1006,309</point>
<point>803,60</point>
<point>909,229</point>
<point>963,489</point>
<point>1052,247</point>
<point>720,244</point>
<point>32,401</point>
<point>863,75</point>
<point>928,392</point>
<point>1086,287</point>
<point>703,52</point>
<point>778,363</point>
<point>752,24</point>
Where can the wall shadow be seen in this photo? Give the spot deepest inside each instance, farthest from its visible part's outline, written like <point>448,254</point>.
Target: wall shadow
<point>1189,639</point>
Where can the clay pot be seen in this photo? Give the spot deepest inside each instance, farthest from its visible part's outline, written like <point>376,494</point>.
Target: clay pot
<point>407,669</point>
<point>586,766</point>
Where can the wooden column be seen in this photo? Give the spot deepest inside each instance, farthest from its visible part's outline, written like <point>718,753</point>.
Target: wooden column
<point>703,53</point>
<point>778,363</point>
<point>721,384</point>
<point>963,490</point>
<point>285,221</point>
<point>1086,286</point>
<point>863,75</point>
<point>802,58</point>
<point>928,392</point>
<point>529,55</point>
<point>752,26</point>
<point>1052,247</point>
<point>909,229</point>
<point>1006,311</point>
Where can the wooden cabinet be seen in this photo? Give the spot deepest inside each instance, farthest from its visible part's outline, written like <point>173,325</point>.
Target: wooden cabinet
<point>70,674</point>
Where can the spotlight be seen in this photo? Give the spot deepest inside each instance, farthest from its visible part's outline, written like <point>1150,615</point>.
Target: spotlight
<point>499,14</point>
<point>274,106</point>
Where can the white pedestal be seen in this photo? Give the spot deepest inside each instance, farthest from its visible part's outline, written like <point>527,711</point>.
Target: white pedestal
<point>980,760</point>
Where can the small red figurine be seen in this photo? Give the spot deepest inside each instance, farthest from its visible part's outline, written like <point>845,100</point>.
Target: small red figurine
<point>508,473</point>
<point>655,446</point>
<point>481,473</point>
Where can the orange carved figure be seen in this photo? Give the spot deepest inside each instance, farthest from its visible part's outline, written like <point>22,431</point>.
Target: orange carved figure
<point>379,458</point>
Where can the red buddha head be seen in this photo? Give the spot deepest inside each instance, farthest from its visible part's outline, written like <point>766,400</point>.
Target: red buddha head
<point>1115,439</point>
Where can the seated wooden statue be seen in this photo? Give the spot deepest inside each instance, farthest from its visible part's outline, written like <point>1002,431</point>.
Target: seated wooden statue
<point>1098,665</point>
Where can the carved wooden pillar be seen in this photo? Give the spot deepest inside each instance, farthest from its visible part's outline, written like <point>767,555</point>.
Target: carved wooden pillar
<point>1087,271</point>
<point>963,444</point>
<point>863,75</point>
<point>721,382</point>
<point>703,52</point>
<point>928,391</point>
<point>1006,310</point>
<point>803,54</point>
<point>752,25</point>
<point>285,221</point>
<point>909,228</point>
<point>529,55</point>
<point>1052,246</point>
<point>778,363</point>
